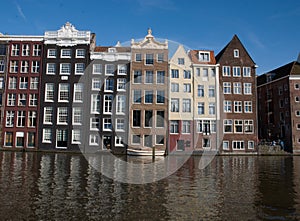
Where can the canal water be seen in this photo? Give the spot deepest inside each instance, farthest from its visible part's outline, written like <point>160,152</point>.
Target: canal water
<point>43,186</point>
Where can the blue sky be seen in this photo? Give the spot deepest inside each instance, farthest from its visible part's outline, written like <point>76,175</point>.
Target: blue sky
<point>270,30</point>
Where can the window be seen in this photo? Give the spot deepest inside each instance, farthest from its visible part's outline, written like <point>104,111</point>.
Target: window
<point>24,66</point>
<point>201,108</point>
<point>80,53</point>
<point>160,118</point>
<point>136,139</point>
<point>47,135</point>
<point>121,84</point>
<point>34,83</point>
<point>12,83</point>
<point>174,127</point>
<point>187,74</point>
<point>211,108</point>
<point>137,96</point>
<point>94,139</point>
<point>35,67</point>
<point>23,84</point>
<point>137,77</point>
<point>227,126</point>
<point>246,71</point>
<point>14,66</point>
<point>198,72</point>
<point>236,71</point>
<point>136,119</point>
<point>31,139</point>
<point>237,145</point>
<point>1,85</point>
<point>251,144</point>
<point>120,124</point>
<point>2,66</point>
<point>48,115</point>
<point>77,116</point>
<point>206,143</point>
<point>174,105</point>
<point>11,99</point>
<point>175,73</point>
<point>37,49</point>
<point>51,68</point>
<point>247,88</point>
<point>21,119</point>
<point>138,57</point>
<point>238,107</point>
<point>238,126</point>
<point>22,99</point>
<point>51,53</point>
<point>15,50</point>
<point>187,88</point>
<point>186,105</point>
<point>49,92</point>
<point>65,68</point>
<point>63,92</point>
<point>94,123</point>
<point>148,121</point>
<point>297,113</point>
<point>160,97</point>
<point>110,69</point>
<point>236,53</point>
<point>107,108</point>
<point>280,90</point>
<point>186,127</point>
<point>212,73</point>
<point>32,118</point>
<point>181,61</point>
<point>297,86</point>
<point>160,57</point>
<point>62,115</point>
<point>76,136</point>
<point>95,104</point>
<point>160,77</point>
<point>148,140</point>
<point>149,59</point>
<point>10,118</point>
<point>122,69</point>
<point>79,68</point>
<point>61,138</point>
<point>248,106</point>
<point>174,87</point>
<point>200,90</point>
<point>97,68</point>
<point>119,141</point>
<point>211,91</point>
<point>148,97</point>
<point>120,104</point>
<point>65,53</point>
<point>78,92</point>
<point>225,145</point>
<point>204,72</point>
<point>296,100</point>
<point>199,126</point>
<point>248,126</point>
<point>25,50</point>
<point>109,84</point>
<point>149,77</point>
<point>237,88</point>
<point>204,56</point>
<point>2,49</point>
<point>226,87</point>
<point>226,71</point>
<point>107,124</point>
<point>159,139</point>
<point>8,139</point>
<point>96,84</point>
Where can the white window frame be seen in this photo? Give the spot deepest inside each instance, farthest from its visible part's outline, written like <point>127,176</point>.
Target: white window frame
<point>34,83</point>
<point>25,50</point>
<point>51,53</point>
<point>79,53</point>
<point>236,71</point>
<point>122,69</point>
<point>250,145</point>
<point>94,139</point>
<point>248,88</point>
<point>248,106</point>
<point>48,114</point>
<point>95,123</point>
<point>78,93</point>
<point>120,124</point>
<point>236,53</point>
<point>62,92</point>
<point>51,68</point>
<point>24,67</point>
<point>228,122</point>
<point>110,69</point>
<point>186,105</point>
<point>65,69</point>
<point>47,135</point>
<point>66,53</point>
<point>174,124</point>
<point>76,133</point>
<point>109,85</point>
<point>227,144</point>
<point>32,119</point>
<point>49,91</point>
<point>226,71</point>
<point>237,88</point>
<point>35,66</point>
<point>77,116</point>
<point>227,106</point>
<point>121,84</point>
<point>246,71</point>
<point>108,103</point>
<point>249,123</point>
<point>95,103</point>
<point>238,108</point>
<point>241,143</point>
<point>97,69</point>
<point>96,84</point>
<point>79,68</point>
<point>186,127</point>
<point>107,121</point>
<point>238,123</point>
<point>11,99</point>
<point>121,104</point>
<point>62,112</point>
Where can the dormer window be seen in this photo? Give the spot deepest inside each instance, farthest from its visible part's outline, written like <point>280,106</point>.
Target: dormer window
<point>204,56</point>
<point>111,50</point>
<point>236,53</point>
<point>181,61</point>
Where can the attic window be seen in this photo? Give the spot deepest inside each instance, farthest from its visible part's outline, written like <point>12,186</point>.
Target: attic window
<point>203,56</point>
<point>236,53</point>
<point>111,50</point>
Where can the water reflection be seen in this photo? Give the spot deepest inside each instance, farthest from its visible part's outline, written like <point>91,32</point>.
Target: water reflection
<point>36,186</point>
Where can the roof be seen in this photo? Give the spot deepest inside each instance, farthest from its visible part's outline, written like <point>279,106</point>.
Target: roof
<point>234,40</point>
<point>105,49</point>
<point>194,56</point>
<point>292,68</point>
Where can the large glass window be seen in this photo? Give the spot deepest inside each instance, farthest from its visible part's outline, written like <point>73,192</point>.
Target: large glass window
<point>64,92</point>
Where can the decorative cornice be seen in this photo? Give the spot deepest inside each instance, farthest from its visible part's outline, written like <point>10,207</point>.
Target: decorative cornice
<point>108,56</point>
<point>21,38</point>
<point>149,42</point>
<point>68,35</point>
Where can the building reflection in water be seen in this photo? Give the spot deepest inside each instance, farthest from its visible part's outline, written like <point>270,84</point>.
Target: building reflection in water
<point>37,186</point>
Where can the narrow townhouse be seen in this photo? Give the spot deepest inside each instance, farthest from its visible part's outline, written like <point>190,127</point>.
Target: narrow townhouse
<point>237,79</point>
